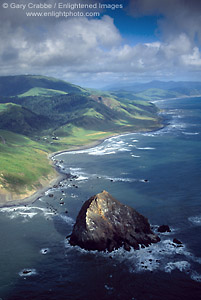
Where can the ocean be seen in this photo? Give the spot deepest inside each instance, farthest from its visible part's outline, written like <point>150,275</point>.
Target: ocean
<point>157,173</point>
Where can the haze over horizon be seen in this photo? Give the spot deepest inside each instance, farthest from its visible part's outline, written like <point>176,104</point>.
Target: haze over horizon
<point>127,41</point>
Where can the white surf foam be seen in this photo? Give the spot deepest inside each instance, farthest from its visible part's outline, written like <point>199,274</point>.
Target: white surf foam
<point>196,276</point>
<point>180,265</point>
<point>75,170</point>
<point>196,220</point>
<point>149,134</point>
<point>67,220</point>
<point>137,156</point>
<point>78,172</point>
<point>190,133</point>
<point>27,212</point>
<point>109,147</point>
<point>121,179</point>
<point>82,177</point>
<point>108,288</point>
<point>145,148</point>
<point>164,256</point>
<point>44,251</point>
<point>177,126</point>
<point>73,195</point>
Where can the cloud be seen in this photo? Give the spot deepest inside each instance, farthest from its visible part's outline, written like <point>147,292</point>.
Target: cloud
<point>175,16</point>
<point>76,41</point>
<point>93,52</point>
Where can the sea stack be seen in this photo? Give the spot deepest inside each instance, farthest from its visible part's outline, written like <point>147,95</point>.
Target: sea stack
<point>104,223</point>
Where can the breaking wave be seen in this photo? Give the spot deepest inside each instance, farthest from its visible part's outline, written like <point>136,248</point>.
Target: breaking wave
<point>26,212</point>
<point>164,256</point>
<point>196,220</point>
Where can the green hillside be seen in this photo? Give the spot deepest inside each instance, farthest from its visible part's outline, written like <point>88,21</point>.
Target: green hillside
<point>40,115</point>
<point>20,84</point>
<point>21,120</point>
<point>38,91</point>
<point>23,162</point>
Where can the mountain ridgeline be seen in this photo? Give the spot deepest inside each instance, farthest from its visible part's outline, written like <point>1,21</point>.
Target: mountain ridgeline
<point>37,105</point>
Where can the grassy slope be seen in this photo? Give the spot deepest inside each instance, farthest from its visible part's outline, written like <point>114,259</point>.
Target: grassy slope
<point>17,85</point>
<point>21,120</point>
<point>23,162</point>
<point>41,92</point>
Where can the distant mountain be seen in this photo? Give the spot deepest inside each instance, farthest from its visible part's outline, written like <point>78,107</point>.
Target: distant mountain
<point>155,90</point>
<point>169,85</point>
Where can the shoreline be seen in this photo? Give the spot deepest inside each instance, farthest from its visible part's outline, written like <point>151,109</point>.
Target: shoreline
<point>55,181</point>
<point>59,176</point>
<point>86,146</point>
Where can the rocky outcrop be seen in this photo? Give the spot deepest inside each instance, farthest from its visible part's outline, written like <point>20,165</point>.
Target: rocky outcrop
<point>103,223</point>
<point>176,241</point>
<point>164,228</point>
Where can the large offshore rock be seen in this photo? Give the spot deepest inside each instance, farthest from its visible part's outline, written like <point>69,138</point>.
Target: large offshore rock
<point>104,223</point>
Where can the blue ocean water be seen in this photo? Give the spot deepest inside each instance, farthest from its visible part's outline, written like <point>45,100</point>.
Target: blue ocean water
<point>157,173</point>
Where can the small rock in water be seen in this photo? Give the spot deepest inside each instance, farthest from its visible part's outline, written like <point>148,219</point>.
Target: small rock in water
<point>164,228</point>
<point>26,272</point>
<point>176,241</point>
<point>44,251</point>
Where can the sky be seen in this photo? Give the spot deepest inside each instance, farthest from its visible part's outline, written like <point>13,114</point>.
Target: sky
<point>102,43</point>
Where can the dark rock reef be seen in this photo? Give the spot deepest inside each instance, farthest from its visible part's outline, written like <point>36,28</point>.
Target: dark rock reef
<point>103,223</point>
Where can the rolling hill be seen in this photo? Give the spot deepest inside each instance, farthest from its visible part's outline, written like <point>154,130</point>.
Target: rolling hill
<point>41,115</point>
<point>20,84</point>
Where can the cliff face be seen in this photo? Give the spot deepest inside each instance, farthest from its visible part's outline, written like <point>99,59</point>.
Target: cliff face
<point>104,223</point>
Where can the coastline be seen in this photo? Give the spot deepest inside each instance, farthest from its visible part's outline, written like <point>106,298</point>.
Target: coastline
<point>13,201</point>
<point>34,196</point>
<point>8,199</point>
<point>86,146</point>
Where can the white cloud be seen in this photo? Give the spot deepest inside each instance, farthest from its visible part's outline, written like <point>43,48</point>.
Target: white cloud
<point>88,51</point>
<point>193,59</point>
